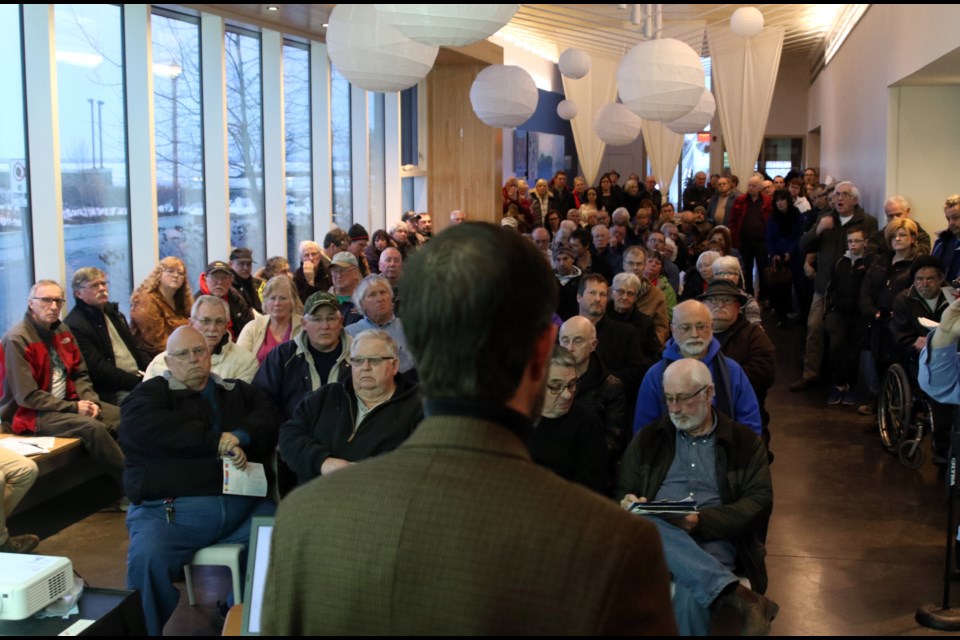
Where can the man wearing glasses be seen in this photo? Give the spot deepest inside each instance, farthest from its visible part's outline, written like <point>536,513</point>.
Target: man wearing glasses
<point>693,338</point>
<point>370,413</point>
<point>211,316</point>
<point>46,388</point>
<point>114,361</point>
<point>696,453</point>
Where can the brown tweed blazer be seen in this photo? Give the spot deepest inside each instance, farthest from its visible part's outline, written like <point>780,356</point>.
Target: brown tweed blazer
<point>458,532</point>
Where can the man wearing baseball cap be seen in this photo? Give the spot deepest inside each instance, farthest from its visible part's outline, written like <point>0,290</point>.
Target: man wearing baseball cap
<point>246,284</point>
<point>217,280</point>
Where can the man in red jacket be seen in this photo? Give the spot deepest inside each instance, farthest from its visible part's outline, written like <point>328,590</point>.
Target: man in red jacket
<point>748,226</point>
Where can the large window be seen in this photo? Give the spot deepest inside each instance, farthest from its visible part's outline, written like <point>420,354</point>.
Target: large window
<point>178,120</point>
<point>342,153</point>
<point>296,108</point>
<point>378,186</point>
<point>93,142</point>
<point>695,155</point>
<point>16,256</point>
<point>245,142</point>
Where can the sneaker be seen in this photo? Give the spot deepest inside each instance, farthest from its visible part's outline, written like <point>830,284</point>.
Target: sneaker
<point>802,384</point>
<point>847,398</point>
<point>867,410</point>
<point>836,395</point>
<point>20,544</point>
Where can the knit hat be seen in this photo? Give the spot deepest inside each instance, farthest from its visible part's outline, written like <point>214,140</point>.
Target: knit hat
<point>357,232</point>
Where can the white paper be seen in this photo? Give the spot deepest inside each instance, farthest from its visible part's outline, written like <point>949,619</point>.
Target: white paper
<point>27,446</point>
<point>251,481</point>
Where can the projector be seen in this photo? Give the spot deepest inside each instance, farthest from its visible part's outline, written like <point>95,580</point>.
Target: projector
<point>29,583</point>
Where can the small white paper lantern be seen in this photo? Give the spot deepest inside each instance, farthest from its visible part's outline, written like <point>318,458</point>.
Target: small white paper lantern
<point>616,125</point>
<point>746,22</point>
<point>448,25</point>
<point>504,96</point>
<point>574,63</point>
<point>660,79</point>
<point>697,119</point>
<point>567,109</point>
<point>371,53</point>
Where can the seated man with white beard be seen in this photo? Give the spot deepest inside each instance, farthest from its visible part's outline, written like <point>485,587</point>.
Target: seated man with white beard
<point>694,452</point>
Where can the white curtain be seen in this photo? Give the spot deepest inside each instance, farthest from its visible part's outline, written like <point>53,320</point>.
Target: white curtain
<point>663,149</point>
<point>591,93</point>
<point>744,73</point>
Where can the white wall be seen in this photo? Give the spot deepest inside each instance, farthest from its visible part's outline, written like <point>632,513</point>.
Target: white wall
<point>788,108</point>
<point>850,100</point>
<point>925,136</point>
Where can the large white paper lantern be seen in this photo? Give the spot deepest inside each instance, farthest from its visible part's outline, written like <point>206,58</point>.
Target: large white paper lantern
<point>504,96</point>
<point>371,53</point>
<point>746,22</point>
<point>698,119</point>
<point>574,64</point>
<point>616,125</point>
<point>448,25</point>
<point>567,109</point>
<point>660,79</point>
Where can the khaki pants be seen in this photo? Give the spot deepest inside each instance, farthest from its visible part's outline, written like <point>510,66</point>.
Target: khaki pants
<point>17,474</point>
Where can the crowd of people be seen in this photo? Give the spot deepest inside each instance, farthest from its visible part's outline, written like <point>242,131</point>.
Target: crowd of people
<point>654,378</point>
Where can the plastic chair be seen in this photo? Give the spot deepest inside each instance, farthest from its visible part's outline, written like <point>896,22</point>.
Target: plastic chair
<point>223,555</point>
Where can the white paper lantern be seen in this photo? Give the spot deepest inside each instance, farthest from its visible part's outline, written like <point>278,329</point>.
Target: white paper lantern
<point>660,79</point>
<point>504,96</point>
<point>697,119</point>
<point>567,109</point>
<point>616,125</point>
<point>448,25</point>
<point>574,63</point>
<point>746,22</point>
<point>371,53</point>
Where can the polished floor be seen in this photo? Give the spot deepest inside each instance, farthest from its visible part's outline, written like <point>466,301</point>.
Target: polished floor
<point>856,541</point>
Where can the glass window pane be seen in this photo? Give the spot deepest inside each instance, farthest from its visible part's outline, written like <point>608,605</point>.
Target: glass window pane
<point>178,119</point>
<point>378,185</point>
<point>296,101</point>
<point>341,153</point>
<point>409,127</point>
<point>245,143</point>
<point>16,256</point>
<point>93,145</point>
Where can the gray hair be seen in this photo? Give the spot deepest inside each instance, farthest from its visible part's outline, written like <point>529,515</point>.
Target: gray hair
<point>626,279</point>
<point>708,258</point>
<point>42,283</point>
<point>308,244</point>
<point>620,215</point>
<point>286,285</point>
<point>899,200</point>
<point>83,275</point>
<point>560,357</point>
<point>372,280</point>
<point>398,225</point>
<point>853,189</point>
<point>374,334</point>
<point>726,263</point>
<point>635,249</point>
<point>208,299</point>
<point>690,369</point>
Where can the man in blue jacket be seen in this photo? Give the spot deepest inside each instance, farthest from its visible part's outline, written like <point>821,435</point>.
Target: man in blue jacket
<point>692,328</point>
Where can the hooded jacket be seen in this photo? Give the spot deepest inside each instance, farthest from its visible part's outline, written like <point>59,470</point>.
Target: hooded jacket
<point>240,311</point>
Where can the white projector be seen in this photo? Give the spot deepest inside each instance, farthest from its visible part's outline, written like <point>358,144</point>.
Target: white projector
<point>29,583</point>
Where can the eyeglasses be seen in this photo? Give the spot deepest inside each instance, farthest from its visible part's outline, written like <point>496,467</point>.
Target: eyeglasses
<point>683,398</point>
<point>701,327</point>
<point>625,292</point>
<point>184,354</point>
<point>374,361</point>
<point>322,319</point>
<point>180,273</point>
<point>96,285</point>
<point>559,387</point>
<point>844,194</point>
<point>721,300</point>
<point>50,302</point>
<point>208,322</point>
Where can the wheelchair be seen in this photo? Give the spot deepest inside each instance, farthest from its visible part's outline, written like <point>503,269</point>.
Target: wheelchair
<point>904,416</point>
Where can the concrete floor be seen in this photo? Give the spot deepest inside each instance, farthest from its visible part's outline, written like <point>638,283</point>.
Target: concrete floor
<point>856,541</point>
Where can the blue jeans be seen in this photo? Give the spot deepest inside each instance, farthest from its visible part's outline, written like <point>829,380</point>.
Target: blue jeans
<point>700,574</point>
<point>159,549</point>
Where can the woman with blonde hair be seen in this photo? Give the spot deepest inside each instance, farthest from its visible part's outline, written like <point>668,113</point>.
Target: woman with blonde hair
<point>280,321</point>
<point>160,304</point>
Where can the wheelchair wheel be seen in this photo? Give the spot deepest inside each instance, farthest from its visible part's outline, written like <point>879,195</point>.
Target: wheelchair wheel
<point>910,454</point>
<point>894,407</point>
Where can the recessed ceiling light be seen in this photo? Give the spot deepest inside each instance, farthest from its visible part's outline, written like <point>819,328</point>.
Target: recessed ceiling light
<point>273,8</point>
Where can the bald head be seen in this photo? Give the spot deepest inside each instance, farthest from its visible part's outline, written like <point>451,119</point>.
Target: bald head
<point>692,328</point>
<point>688,391</point>
<point>188,357</point>
<point>579,336</point>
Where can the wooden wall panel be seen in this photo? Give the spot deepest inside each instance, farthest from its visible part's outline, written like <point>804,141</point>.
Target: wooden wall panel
<point>464,164</point>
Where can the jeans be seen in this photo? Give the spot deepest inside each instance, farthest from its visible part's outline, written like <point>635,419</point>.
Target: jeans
<point>159,549</point>
<point>700,574</point>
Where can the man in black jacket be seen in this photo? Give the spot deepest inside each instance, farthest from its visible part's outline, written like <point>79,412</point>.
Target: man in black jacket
<point>114,362</point>
<point>177,431</point>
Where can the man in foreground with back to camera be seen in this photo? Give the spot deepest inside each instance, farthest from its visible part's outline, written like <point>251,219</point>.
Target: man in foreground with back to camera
<point>458,531</point>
